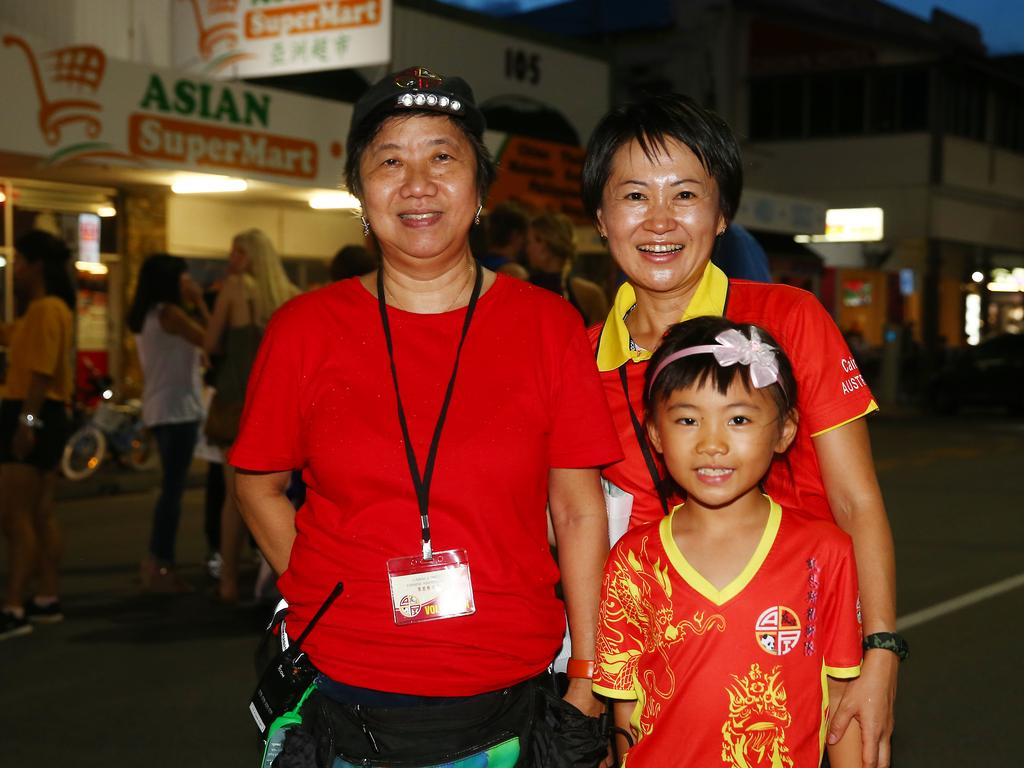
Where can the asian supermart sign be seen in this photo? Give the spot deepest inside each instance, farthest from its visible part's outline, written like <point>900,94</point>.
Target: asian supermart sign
<point>76,104</point>
<point>252,38</point>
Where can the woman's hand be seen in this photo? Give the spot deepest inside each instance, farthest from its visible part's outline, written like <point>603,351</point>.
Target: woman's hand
<point>191,291</point>
<point>870,700</point>
<point>848,472</point>
<point>581,695</point>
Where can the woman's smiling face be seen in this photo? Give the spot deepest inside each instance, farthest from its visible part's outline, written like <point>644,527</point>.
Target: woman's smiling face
<point>419,186</point>
<point>661,215</point>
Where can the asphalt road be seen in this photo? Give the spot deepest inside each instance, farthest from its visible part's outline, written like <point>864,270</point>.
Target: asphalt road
<point>131,680</point>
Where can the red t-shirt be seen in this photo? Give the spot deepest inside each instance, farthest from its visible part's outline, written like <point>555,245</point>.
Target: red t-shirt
<point>527,398</point>
<point>733,677</point>
<point>830,389</point>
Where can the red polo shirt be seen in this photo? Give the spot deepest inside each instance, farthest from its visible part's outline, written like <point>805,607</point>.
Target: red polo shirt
<point>830,389</point>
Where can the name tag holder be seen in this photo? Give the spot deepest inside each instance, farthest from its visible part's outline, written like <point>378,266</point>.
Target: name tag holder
<point>432,585</point>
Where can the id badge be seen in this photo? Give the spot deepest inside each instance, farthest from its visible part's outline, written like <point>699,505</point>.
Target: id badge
<point>426,590</point>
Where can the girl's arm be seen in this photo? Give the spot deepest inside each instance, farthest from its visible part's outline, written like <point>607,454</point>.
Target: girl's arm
<point>268,513</point>
<point>581,531</point>
<point>848,472</point>
<point>846,753</point>
<point>622,711</point>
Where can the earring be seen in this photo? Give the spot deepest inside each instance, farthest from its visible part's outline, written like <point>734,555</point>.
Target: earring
<point>366,226</point>
<point>476,219</point>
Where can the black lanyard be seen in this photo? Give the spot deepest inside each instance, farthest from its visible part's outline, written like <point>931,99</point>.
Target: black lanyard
<point>638,430</point>
<point>641,438</point>
<point>422,484</point>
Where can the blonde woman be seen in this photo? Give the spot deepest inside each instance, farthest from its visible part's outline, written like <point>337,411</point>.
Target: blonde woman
<point>550,252</point>
<point>255,286</point>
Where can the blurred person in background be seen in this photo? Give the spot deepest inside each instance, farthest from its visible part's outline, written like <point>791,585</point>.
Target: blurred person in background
<point>662,179</point>
<point>354,383</point>
<point>255,286</point>
<point>506,225</point>
<point>34,426</point>
<point>550,252</point>
<point>168,317</point>
<point>352,261</point>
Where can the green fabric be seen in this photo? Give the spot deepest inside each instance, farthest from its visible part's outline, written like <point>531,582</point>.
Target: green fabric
<point>275,734</point>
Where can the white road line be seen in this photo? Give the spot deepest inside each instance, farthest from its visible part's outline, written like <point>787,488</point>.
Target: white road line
<point>956,603</point>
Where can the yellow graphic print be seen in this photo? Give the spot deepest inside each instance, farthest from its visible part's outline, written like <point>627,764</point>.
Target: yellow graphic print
<point>641,599</point>
<point>755,733</point>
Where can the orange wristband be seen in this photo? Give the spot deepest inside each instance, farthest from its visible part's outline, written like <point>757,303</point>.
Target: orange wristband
<point>580,668</point>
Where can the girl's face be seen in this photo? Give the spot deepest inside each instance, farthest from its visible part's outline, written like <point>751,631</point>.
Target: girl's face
<point>660,216</point>
<point>718,447</point>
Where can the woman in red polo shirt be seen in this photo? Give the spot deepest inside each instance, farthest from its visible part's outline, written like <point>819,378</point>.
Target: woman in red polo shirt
<point>439,536</point>
<point>662,180</point>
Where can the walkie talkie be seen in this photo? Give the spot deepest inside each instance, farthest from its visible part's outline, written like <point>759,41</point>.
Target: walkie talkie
<point>288,676</point>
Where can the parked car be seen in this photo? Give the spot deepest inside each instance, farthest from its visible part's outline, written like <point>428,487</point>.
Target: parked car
<point>991,373</point>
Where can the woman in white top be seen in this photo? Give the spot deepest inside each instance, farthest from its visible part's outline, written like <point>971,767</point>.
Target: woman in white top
<point>255,286</point>
<point>169,342</point>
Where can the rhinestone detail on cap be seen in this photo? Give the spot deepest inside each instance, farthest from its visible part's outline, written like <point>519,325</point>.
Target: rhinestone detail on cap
<point>429,99</point>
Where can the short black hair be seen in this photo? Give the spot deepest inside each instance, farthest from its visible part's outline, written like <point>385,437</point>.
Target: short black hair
<point>362,135</point>
<point>506,219</point>
<point>702,370</point>
<point>39,246</point>
<point>352,261</point>
<point>651,123</point>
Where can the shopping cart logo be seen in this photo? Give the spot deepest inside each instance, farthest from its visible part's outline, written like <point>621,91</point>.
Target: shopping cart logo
<point>218,35</point>
<point>64,80</point>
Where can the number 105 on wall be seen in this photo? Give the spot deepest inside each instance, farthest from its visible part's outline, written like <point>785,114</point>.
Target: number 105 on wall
<point>522,66</point>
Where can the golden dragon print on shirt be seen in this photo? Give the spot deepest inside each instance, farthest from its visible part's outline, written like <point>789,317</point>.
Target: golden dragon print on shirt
<point>642,599</point>
<point>754,736</point>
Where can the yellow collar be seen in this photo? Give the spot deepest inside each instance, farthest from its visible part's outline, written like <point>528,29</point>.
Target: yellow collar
<point>613,346</point>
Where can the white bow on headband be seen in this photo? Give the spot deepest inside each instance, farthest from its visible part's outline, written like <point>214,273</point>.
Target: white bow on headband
<point>733,347</point>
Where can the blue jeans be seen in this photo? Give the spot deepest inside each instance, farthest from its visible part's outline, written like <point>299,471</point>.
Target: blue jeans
<point>176,443</point>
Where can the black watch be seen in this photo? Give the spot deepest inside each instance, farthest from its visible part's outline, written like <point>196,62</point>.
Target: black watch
<point>888,641</point>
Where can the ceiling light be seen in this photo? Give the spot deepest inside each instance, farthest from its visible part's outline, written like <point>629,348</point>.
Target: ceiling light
<point>106,211</point>
<point>187,185</point>
<point>91,266</point>
<point>326,201</point>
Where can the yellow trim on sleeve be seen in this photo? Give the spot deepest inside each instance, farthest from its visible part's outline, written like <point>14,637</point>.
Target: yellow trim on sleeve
<point>613,346</point>
<point>872,406</point>
<point>843,673</point>
<point>693,577</point>
<point>612,693</point>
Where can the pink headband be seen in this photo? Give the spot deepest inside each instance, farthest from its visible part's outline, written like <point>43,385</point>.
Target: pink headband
<point>733,347</point>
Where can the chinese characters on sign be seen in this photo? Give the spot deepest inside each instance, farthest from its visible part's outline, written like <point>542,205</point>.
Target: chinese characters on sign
<point>253,38</point>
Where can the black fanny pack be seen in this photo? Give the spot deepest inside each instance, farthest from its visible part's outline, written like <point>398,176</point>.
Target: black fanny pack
<point>526,725</point>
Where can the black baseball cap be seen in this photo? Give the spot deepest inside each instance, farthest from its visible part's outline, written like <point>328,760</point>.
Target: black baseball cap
<point>421,89</point>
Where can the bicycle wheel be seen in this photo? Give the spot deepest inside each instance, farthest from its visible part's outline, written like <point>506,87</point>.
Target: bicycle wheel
<point>142,453</point>
<point>83,453</point>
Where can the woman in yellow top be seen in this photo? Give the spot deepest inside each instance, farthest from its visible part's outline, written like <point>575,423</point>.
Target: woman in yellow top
<point>33,427</point>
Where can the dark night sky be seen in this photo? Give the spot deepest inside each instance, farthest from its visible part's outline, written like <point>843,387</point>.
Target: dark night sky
<point>1001,21</point>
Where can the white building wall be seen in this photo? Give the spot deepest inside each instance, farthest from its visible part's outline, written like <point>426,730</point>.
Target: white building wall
<point>135,30</point>
<point>205,227</point>
<point>574,84</point>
